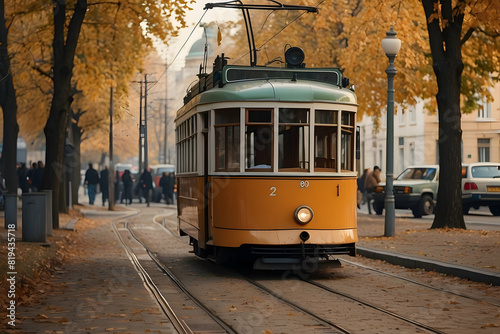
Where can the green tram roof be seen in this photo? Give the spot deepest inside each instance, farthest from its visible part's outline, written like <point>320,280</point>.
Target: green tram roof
<point>243,83</point>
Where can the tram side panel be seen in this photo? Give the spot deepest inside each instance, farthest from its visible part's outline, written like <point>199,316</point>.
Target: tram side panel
<point>191,207</point>
<point>261,210</point>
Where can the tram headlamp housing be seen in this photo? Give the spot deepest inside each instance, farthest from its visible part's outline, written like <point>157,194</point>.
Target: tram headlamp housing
<point>294,57</point>
<point>303,214</point>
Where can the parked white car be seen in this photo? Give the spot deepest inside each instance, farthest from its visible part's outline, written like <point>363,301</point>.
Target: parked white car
<point>481,186</point>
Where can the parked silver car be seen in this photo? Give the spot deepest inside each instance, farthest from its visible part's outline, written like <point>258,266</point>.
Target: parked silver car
<point>481,186</point>
<point>415,188</point>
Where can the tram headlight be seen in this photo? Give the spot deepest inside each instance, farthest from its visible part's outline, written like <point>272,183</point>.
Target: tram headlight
<point>303,214</point>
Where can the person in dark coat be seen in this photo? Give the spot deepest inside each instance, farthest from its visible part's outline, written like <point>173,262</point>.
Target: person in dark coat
<point>38,176</point>
<point>127,186</point>
<point>103,183</point>
<point>146,183</point>
<point>91,180</point>
<point>31,178</point>
<point>22,178</point>
<point>165,187</point>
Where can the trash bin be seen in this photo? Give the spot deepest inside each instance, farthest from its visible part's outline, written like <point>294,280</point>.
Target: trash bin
<point>48,211</point>
<point>10,210</point>
<point>34,217</point>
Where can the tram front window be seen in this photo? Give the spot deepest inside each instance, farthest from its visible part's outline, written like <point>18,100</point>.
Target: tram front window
<point>325,140</point>
<point>227,139</point>
<point>259,139</point>
<point>293,141</point>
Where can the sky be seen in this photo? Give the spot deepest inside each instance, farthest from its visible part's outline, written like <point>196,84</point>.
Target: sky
<point>192,18</point>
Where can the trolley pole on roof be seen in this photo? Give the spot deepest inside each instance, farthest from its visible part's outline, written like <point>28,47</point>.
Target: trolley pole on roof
<point>238,4</point>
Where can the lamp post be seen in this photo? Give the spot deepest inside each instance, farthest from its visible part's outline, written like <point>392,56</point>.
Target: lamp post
<point>391,46</point>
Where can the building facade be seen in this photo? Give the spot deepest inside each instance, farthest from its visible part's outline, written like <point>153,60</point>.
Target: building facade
<point>416,135</point>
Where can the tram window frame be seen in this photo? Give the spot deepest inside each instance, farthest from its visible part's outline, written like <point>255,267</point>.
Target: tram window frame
<point>347,140</point>
<point>327,127</point>
<point>253,124</point>
<point>294,139</point>
<point>227,139</point>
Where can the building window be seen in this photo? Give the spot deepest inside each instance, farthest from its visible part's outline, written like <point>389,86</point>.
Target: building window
<point>293,139</point>
<point>483,146</point>
<point>325,140</point>
<point>259,140</point>
<point>227,139</point>
<point>484,109</point>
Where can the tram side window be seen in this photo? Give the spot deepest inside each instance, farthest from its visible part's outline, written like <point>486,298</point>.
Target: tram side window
<point>347,141</point>
<point>293,139</point>
<point>325,140</point>
<point>186,146</point>
<point>259,140</point>
<point>227,139</point>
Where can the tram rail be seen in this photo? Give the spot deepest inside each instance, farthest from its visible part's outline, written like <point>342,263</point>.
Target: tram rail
<point>419,283</point>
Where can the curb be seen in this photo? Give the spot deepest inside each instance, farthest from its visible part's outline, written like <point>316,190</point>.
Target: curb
<point>414,262</point>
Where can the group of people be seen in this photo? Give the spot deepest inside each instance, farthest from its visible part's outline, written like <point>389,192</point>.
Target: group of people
<point>144,187</point>
<point>30,180</point>
<point>367,184</point>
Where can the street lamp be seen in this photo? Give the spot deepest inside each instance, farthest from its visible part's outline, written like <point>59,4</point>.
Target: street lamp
<point>391,46</point>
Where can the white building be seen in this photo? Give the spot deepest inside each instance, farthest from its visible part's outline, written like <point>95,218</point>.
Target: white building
<point>416,134</point>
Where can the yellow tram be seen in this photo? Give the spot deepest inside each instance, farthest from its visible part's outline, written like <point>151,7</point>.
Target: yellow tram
<point>266,161</point>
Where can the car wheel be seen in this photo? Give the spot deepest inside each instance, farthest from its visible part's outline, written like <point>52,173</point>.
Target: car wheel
<point>495,210</point>
<point>424,207</point>
<point>378,207</point>
<point>465,209</point>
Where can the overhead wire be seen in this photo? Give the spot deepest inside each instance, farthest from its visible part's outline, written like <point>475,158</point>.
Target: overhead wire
<point>288,24</point>
<point>182,47</point>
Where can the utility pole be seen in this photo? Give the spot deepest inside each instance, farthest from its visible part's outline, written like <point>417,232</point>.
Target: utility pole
<point>143,124</point>
<point>111,172</point>
<point>146,164</point>
<point>141,130</point>
<point>165,146</point>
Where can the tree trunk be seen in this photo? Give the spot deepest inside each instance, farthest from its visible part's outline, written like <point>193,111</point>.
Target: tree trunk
<point>9,107</point>
<point>56,126</point>
<point>447,63</point>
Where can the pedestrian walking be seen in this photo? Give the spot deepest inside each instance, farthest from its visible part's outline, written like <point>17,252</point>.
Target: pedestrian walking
<point>103,183</point>
<point>127,187</point>
<point>31,178</point>
<point>38,176</point>
<point>91,180</point>
<point>22,178</point>
<point>371,182</point>
<point>146,183</point>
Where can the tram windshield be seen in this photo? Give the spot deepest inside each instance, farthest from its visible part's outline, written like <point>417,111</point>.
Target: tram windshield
<point>293,139</point>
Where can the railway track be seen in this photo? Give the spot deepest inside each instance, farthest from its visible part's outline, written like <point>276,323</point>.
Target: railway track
<point>145,262</point>
<point>345,329</point>
<point>331,307</point>
<point>479,300</point>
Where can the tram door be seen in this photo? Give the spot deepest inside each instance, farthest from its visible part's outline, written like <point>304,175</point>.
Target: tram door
<point>204,233</point>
